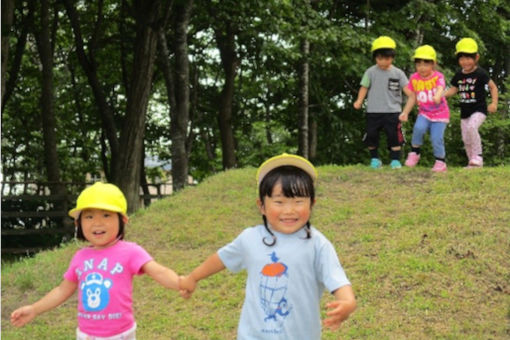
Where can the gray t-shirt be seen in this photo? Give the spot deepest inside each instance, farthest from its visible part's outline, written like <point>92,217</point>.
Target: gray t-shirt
<point>285,282</point>
<point>384,89</point>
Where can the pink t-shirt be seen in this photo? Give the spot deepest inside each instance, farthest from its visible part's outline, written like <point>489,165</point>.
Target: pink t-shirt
<point>425,89</point>
<point>105,285</point>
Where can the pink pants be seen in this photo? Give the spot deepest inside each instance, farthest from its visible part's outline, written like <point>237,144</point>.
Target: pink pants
<point>470,136</point>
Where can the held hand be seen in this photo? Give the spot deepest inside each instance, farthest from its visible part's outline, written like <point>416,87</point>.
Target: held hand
<point>403,117</point>
<point>492,108</point>
<point>187,286</point>
<point>357,105</point>
<point>336,315</point>
<point>21,316</point>
<point>186,294</point>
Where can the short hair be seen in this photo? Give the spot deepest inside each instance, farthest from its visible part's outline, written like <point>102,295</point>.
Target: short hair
<point>295,182</point>
<point>384,52</point>
<point>467,55</point>
<point>79,232</point>
<point>428,61</point>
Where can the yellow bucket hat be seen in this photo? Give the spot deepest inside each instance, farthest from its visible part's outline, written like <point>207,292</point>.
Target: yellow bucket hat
<point>104,196</point>
<point>425,52</point>
<point>466,45</point>
<point>383,42</point>
<point>283,160</point>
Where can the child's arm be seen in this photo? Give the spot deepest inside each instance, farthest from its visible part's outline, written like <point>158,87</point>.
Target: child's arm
<point>341,308</point>
<point>451,91</point>
<point>493,89</point>
<point>209,267</point>
<point>55,297</point>
<point>161,274</point>
<point>362,93</point>
<point>411,100</point>
<point>438,95</point>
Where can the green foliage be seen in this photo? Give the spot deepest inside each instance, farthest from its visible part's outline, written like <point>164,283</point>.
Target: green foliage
<point>266,42</point>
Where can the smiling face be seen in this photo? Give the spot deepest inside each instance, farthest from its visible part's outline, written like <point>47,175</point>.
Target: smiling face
<point>468,63</point>
<point>425,68</point>
<point>100,227</point>
<point>285,214</point>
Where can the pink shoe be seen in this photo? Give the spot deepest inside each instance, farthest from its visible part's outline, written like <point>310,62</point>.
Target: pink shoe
<point>439,166</point>
<point>412,159</point>
<point>476,162</point>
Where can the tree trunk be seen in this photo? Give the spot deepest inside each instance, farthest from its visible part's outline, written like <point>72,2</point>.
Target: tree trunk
<point>88,64</point>
<point>180,116</point>
<point>230,62</point>
<point>129,166</point>
<point>312,137</point>
<point>7,20</point>
<point>303,74</point>
<point>49,124</point>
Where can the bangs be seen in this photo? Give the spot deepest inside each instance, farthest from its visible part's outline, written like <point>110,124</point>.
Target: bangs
<point>384,52</point>
<point>294,181</point>
<point>427,61</point>
<point>467,55</point>
<point>294,187</point>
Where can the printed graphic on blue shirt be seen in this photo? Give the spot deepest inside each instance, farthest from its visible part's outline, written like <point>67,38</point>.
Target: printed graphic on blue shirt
<point>274,279</point>
<point>95,292</point>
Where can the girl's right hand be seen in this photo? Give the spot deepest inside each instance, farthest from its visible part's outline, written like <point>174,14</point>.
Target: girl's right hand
<point>21,316</point>
<point>403,117</point>
<point>187,283</point>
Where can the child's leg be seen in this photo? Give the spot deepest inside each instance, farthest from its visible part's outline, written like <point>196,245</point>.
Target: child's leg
<point>437,139</point>
<point>471,136</point>
<point>393,129</point>
<point>421,126</point>
<point>465,139</point>
<point>371,138</point>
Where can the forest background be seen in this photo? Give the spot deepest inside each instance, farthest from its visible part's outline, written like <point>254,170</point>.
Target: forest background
<point>97,86</point>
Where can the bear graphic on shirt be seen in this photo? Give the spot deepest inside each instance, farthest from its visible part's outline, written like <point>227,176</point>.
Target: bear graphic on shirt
<point>95,292</point>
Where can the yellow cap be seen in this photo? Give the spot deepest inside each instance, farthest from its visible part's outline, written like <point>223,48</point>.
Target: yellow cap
<point>283,160</point>
<point>383,42</point>
<point>104,196</point>
<point>466,45</point>
<point>425,52</point>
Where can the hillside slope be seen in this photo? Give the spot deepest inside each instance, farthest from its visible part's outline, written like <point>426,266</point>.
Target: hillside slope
<point>428,256</point>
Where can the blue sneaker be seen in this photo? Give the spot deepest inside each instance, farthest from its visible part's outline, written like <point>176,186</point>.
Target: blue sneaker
<point>395,164</point>
<point>375,163</point>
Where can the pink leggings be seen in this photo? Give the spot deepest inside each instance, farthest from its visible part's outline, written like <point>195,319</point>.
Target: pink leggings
<point>470,136</point>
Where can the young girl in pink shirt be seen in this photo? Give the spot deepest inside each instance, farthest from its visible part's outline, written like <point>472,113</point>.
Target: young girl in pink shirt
<point>427,86</point>
<point>103,271</point>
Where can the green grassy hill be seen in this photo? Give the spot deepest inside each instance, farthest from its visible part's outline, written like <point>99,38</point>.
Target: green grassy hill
<point>428,256</point>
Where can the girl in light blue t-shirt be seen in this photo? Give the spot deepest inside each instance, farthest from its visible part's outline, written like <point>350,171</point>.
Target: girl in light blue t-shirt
<point>289,262</point>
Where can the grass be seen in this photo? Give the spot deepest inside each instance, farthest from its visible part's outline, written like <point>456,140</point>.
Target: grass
<point>428,256</point>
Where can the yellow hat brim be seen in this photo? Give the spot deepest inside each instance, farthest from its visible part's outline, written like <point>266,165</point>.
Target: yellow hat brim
<point>75,213</point>
<point>286,160</point>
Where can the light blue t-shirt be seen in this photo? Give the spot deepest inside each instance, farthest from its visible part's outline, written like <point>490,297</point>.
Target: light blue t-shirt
<point>285,282</point>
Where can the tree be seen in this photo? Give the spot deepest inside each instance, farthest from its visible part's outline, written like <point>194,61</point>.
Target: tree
<point>149,19</point>
<point>7,20</point>
<point>87,58</point>
<point>180,114</point>
<point>49,124</point>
